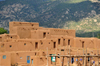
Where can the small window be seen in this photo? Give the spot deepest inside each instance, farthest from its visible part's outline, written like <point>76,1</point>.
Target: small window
<point>36,45</point>
<point>44,34</point>
<point>10,45</point>
<point>54,45</point>
<point>83,44</point>
<point>62,49</point>
<point>24,43</point>
<point>41,43</point>
<point>58,56</point>
<point>4,56</point>
<point>28,57</point>
<point>68,41</point>
<point>35,53</point>
<point>2,45</point>
<point>58,41</point>
<point>20,57</point>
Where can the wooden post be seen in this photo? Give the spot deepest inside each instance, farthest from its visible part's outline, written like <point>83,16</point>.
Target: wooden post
<point>55,56</point>
<point>69,57</point>
<point>60,56</point>
<point>98,57</point>
<point>83,58</point>
<point>67,54</point>
<point>89,61</point>
<point>47,56</point>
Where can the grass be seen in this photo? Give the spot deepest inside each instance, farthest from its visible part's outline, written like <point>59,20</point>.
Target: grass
<point>85,26</point>
<point>75,1</point>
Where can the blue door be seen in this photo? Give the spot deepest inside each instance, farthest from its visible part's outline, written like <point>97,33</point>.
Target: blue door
<point>28,59</point>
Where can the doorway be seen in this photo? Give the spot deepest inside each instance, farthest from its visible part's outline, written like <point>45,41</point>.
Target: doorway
<point>28,59</point>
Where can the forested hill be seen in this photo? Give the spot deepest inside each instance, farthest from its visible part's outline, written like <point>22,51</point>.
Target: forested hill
<point>81,15</point>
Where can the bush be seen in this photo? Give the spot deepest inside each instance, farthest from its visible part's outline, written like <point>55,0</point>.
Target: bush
<point>2,31</point>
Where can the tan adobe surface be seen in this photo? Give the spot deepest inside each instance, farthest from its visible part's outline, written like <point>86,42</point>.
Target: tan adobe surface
<point>28,44</point>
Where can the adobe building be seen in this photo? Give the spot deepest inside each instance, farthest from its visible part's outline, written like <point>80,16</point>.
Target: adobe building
<point>28,44</point>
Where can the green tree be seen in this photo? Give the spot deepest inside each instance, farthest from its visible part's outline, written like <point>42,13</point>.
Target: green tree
<point>2,31</point>
<point>98,36</point>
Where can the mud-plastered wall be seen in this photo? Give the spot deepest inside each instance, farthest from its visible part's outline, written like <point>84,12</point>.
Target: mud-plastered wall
<point>55,31</point>
<point>40,34</point>
<point>0,38</point>
<point>64,40</point>
<point>15,24</point>
<point>9,36</point>
<point>23,56</point>
<point>85,42</point>
<point>5,59</point>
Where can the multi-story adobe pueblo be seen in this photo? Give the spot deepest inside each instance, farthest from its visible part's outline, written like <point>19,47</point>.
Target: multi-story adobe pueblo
<point>27,44</point>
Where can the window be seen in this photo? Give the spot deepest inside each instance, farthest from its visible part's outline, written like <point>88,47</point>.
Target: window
<point>35,53</point>
<point>63,42</point>
<point>4,56</point>
<point>32,25</point>
<point>58,41</point>
<point>36,45</point>
<point>11,37</point>
<point>24,43</point>
<point>10,46</point>
<point>54,45</point>
<point>2,45</point>
<point>44,34</point>
<point>41,43</point>
<point>62,49</point>
<point>28,59</point>
<point>83,44</point>
<point>20,57</point>
<point>68,41</point>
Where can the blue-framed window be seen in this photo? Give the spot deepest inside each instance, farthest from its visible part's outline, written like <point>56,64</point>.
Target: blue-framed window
<point>4,56</point>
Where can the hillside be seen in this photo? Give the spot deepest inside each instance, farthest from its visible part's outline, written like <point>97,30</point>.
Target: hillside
<point>81,15</point>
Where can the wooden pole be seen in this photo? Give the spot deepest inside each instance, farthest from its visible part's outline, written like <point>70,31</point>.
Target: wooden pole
<point>60,56</point>
<point>55,56</point>
<point>67,54</point>
<point>83,58</point>
<point>89,60</point>
<point>47,56</point>
<point>98,57</point>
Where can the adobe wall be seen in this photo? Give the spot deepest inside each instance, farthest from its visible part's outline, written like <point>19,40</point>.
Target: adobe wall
<point>98,44</point>
<point>64,40</point>
<point>5,59</point>
<point>0,38</point>
<point>9,36</point>
<point>24,31</point>
<point>39,57</point>
<point>40,34</point>
<point>21,57</point>
<point>28,44</point>
<point>15,24</point>
<point>85,42</point>
<point>55,31</point>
